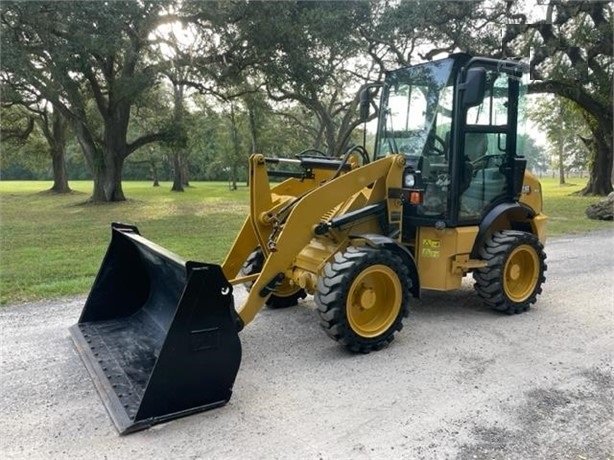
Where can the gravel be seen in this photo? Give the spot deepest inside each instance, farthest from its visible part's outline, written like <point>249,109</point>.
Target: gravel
<point>460,381</point>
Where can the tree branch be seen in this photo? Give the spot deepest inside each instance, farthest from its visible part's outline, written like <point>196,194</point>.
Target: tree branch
<point>17,134</point>
<point>144,140</point>
<point>573,92</point>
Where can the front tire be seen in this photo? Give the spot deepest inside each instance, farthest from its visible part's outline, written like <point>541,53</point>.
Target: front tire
<point>513,278</point>
<point>363,296</point>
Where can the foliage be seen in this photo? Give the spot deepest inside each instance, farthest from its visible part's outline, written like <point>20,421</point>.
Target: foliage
<point>566,130</point>
<point>24,149</point>
<point>275,77</point>
<point>537,160</point>
<point>572,56</point>
<point>304,56</point>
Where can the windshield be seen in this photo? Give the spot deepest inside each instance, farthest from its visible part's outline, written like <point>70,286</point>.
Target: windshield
<point>416,109</point>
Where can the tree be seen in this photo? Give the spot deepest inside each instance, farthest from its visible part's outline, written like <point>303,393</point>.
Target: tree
<point>537,160</point>
<point>55,129</point>
<point>573,57</point>
<point>306,56</point>
<point>23,146</point>
<point>566,131</point>
<point>402,33</point>
<point>179,141</point>
<point>72,52</point>
<point>52,125</point>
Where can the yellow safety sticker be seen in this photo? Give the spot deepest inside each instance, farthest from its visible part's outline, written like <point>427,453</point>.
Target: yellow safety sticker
<point>430,248</point>
<point>427,252</point>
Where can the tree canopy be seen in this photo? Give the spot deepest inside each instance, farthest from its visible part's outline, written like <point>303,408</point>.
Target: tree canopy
<point>235,77</point>
<point>91,62</point>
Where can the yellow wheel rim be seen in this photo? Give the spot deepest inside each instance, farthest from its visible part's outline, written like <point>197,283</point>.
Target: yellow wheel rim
<point>374,301</point>
<point>521,273</point>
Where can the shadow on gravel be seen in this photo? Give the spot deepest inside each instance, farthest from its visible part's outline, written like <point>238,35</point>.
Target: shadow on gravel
<point>565,421</point>
<point>464,301</point>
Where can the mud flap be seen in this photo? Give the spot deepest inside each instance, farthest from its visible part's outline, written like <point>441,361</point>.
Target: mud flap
<point>158,335</point>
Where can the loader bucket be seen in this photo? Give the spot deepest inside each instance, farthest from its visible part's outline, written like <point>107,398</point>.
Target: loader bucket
<point>158,335</point>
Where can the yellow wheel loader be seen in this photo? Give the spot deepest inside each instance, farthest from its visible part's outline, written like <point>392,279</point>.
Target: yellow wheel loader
<point>444,194</point>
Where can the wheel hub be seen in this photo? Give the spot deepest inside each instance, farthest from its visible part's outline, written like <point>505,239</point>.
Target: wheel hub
<point>514,272</point>
<point>368,298</point>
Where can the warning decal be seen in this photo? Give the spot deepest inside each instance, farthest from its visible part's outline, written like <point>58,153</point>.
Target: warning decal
<point>430,248</point>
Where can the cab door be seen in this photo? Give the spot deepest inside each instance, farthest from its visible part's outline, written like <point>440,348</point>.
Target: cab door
<point>486,161</point>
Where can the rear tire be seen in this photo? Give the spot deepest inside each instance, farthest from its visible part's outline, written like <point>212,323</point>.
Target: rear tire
<point>513,278</point>
<point>284,295</point>
<point>362,297</point>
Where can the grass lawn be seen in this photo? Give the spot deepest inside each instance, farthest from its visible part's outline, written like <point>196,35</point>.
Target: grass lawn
<point>52,245</point>
<point>565,210</point>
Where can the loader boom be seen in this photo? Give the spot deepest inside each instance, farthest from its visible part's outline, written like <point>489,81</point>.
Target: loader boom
<point>298,228</point>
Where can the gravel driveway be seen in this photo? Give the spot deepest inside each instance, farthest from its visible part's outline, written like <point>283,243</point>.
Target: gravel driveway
<point>459,381</point>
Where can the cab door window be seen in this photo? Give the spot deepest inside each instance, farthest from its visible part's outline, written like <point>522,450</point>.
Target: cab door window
<point>482,180</point>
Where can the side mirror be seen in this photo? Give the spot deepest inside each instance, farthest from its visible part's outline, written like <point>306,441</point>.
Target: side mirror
<point>474,87</point>
<point>365,104</point>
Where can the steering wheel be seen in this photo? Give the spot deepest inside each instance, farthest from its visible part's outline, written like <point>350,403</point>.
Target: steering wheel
<point>440,149</point>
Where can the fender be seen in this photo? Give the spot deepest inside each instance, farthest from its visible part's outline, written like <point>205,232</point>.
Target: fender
<point>381,241</point>
<point>521,212</point>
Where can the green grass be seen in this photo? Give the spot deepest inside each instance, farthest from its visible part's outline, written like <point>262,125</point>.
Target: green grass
<point>52,245</point>
<point>565,210</point>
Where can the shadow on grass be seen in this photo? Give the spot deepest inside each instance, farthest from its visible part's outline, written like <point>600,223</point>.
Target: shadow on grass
<point>52,192</point>
<point>94,204</point>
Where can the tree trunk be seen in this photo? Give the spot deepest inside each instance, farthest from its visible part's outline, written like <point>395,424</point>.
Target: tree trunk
<point>114,152</point>
<point>56,137</point>
<point>177,181</point>
<point>108,178</point>
<point>332,149</point>
<point>601,171</point>
<point>60,176</point>
<point>106,163</point>
<point>154,173</point>
<point>561,148</point>
<point>185,170</point>
<point>178,172</point>
<point>253,129</point>
<point>232,178</point>
<point>236,143</point>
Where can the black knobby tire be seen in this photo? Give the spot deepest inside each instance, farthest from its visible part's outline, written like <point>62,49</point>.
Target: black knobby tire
<point>284,296</point>
<point>363,296</point>
<point>513,278</point>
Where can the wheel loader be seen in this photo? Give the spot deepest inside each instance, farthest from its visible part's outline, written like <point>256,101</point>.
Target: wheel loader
<point>444,194</point>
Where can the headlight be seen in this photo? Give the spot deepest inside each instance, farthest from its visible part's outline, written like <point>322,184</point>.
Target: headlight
<point>409,180</point>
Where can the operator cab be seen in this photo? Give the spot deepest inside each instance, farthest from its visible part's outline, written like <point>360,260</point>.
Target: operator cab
<point>455,122</point>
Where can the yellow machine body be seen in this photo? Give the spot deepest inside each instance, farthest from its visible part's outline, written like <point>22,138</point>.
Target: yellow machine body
<point>295,254</point>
